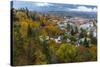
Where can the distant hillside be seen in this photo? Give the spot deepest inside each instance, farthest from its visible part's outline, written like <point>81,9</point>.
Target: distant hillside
<point>74,13</point>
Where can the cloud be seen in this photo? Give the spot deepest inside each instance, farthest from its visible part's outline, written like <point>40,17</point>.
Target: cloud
<point>43,4</point>
<point>84,9</point>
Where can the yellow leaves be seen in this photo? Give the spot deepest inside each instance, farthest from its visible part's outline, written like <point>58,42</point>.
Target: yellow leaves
<point>43,32</point>
<point>35,24</point>
<point>24,26</point>
<point>42,19</point>
<point>66,52</point>
<point>86,53</point>
<point>21,15</point>
<point>93,50</point>
<point>23,29</point>
<point>53,46</point>
<point>67,47</point>
<point>40,57</point>
<point>51,29</point>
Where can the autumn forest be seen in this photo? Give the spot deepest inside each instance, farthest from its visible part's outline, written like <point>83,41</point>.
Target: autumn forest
<point>51,37</point>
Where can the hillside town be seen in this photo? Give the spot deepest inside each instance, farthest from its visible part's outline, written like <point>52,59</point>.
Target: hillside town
<point>74,26</point>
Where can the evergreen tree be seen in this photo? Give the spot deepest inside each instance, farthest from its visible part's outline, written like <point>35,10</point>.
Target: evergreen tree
<point>86,42</point>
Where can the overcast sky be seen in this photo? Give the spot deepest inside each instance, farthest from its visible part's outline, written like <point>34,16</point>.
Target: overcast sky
<point>45,6</point>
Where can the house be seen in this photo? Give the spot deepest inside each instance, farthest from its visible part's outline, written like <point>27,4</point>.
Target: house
<point>58,40</point>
